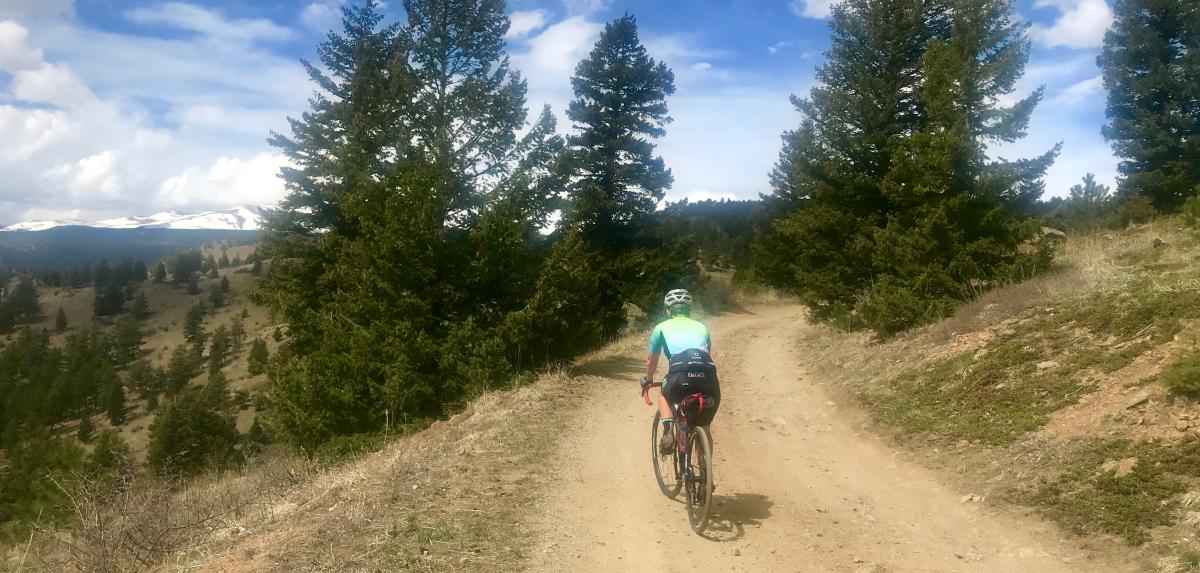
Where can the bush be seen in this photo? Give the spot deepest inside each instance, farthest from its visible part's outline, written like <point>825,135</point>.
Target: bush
<point>1182,375</point>
<point>1135,210</point>
<point>189,436</point>
<point>891,307</point>
<point>1191,210</point>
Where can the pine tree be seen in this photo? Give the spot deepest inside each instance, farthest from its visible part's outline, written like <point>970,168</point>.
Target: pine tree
<point>113,398</point>
<point>193,286</point>
<point>60,320</point>
<point>257,268</point>
<point>223,262</point>
<point>397,193</point>
<point>1152,74</point>
<point>256,362</point>
<point>224,284</point>
<point>1088,204</point>
<point>23,301</point>
<point>828,199</point>
<point>218,349</point>
<point>216,297</point>
<point>237,334</point>
<point>160,272</point>
<point>959,219</point>
<point>182,367</point>
<point>619,106</point>
<point>189,436</point>
<point>193,325</point>
<point>141,307</point>
<point>87,429</point>
<point>127,340</point>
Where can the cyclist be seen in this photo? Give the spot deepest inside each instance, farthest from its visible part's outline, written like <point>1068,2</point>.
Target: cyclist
<point>691,371</point>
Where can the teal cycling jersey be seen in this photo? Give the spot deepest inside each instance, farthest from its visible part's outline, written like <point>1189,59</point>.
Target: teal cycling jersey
<point>678,334</point>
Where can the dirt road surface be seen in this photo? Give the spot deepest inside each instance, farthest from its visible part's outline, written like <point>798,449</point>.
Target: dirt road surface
<point>800,485</point>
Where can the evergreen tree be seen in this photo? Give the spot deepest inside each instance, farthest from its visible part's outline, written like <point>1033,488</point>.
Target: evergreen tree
<point>237,334</point>
<point>60,320</point>
<point>256,268</point>
<point>416,145</point>
<point>959,218</point>
<point>23,300</point>
<point>224,284</point>
<point>188,436</point>
<point>113,398</point>
<point>182,367</point>
<point>111,455</point>
<point>256,362</point>
<point>127,340</point>
<point>216,297</point>
<point>237,261</point>
<point>619,106</point>
<point>186,265</point>
<point>1088,204</point>
<point>213,273</point>
<point>223,262</point>
<point>218,349</point>
<point>193,325</point>
<point>1152,74</point>
<point>141,307</point>
<point>160,272</point>
<point>828,199</point>
<point>87,429</point>
<point>193,286</point>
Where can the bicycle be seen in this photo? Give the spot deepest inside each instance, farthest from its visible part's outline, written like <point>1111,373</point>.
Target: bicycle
<point>691,465</point>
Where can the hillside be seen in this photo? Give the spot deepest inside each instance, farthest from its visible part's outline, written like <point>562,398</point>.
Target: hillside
<point>1056,394</point>
<point>69,246</point>
<point>1030,431</point>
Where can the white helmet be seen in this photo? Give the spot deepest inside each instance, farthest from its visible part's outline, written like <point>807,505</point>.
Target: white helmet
<point>678,297</point>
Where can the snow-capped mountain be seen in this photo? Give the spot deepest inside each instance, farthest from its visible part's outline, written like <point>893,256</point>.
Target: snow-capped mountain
<point>244,218</point>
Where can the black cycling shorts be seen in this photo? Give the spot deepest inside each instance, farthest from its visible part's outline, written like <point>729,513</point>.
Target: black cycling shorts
<point>679,385</point>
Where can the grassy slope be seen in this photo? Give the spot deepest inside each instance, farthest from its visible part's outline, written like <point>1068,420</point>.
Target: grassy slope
<point>163,332</point>
<point>1048,394</point>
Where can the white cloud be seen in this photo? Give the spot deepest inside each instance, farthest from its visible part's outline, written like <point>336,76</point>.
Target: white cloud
<point>812,8</point>
<point>1080,91</point>
<point>92,177</point>
<point>560,47</point>
<point>208,22</point>
<point>134,124</point>
<point>702,66</point>
<point>322,15</point>
<point>228,181</point>
<point>51,83</point>
<point>1081,24</point>
<point>15,51</point>
<point>525,22</point>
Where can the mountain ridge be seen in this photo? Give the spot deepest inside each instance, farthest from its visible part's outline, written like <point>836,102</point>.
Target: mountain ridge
<point>241,218</point>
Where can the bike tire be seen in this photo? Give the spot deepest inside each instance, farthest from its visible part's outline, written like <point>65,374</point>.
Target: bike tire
<point>699,479</point>
<point>668,477</point>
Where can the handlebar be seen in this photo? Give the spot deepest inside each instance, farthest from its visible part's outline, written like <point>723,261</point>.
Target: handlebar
<point>646,390</point>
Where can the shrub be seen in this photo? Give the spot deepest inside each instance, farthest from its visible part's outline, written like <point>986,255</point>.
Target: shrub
<point>1191,210</point>
<point>1135,210</point>
<point>1182,375</point>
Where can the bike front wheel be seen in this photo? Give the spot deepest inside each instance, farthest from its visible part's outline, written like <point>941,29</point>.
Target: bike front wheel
<point>699,478</point>
<point>666,468</point>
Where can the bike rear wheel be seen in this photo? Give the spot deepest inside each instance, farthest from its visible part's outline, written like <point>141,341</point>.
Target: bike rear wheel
<point>666,468</point>
<point>698,478</point>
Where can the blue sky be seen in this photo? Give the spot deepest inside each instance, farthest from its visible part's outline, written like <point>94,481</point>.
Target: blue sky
<point>118,107</point>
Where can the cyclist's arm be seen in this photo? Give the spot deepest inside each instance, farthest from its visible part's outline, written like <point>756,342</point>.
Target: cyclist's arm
<point>655,347</point>
<point>651,366</point>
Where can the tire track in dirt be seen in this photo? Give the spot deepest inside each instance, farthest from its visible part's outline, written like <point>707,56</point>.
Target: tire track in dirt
<point>800,487</point>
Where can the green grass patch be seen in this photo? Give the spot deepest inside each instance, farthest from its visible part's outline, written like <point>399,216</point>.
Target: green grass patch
<point>994,399</point>
<point>1087,499</point>
<point>1002,394</point>
<point>1182,375</point>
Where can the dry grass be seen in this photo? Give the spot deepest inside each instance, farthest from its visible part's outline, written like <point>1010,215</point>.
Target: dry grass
<point>450,498</point>
<point>996,385</point>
